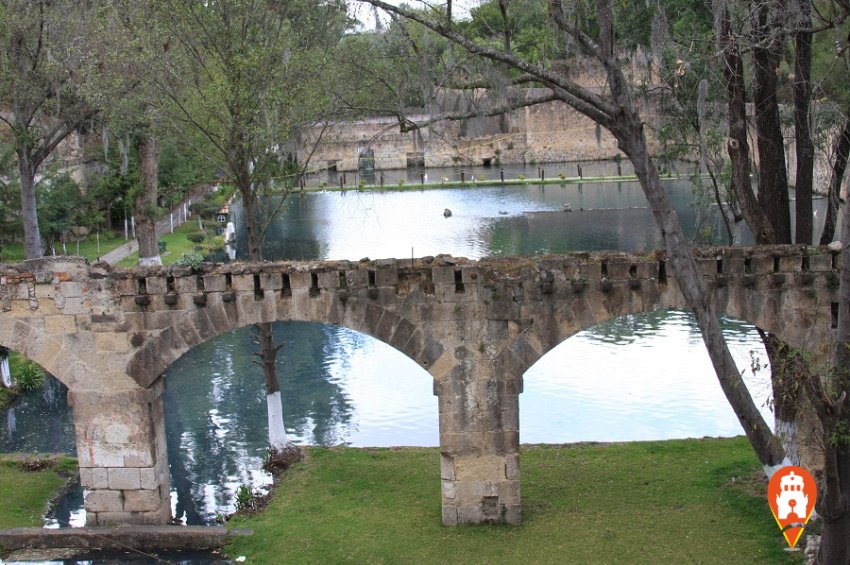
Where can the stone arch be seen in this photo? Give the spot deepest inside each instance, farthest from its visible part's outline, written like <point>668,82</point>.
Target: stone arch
<point>770,311</point>
<point>55,354</point>
<point>188,329</point>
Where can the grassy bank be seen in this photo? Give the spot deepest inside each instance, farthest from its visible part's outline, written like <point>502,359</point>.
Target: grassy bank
<point>178,244</point>
<point>91,249</point>
<point>690,501</point>
<point>25,493</point>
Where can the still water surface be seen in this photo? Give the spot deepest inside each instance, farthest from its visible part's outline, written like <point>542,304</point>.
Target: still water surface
<point>634,378</point>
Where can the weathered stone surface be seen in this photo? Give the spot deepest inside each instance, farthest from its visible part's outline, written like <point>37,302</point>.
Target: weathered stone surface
<point>512,466</point>
<point>142,500</point>
<point>125,479</point>
<point>99,478</point>
<point>122,537</point>
<point>484,467</point>
<point>111,342</point>
<point>105,501</point>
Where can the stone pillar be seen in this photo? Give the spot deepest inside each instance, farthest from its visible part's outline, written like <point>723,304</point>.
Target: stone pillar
<point>479,449</point>
<point>122,456</point>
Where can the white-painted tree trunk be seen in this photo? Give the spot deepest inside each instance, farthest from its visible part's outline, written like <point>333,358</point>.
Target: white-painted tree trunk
<point>769,470</point>
<point>277,433</point>
<point>156,260</point>
<point>787,434</point>
<point>5,372</point>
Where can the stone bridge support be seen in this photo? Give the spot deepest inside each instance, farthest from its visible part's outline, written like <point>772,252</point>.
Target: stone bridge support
<point>122,456</point>
<point>479,447</point>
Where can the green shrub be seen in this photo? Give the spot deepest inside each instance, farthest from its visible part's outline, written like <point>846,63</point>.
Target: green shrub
<point>246,499</point>
<point>205,208</point>
<point>28,375</point>
<point>66,464</point>
<point>193,260</point>
<point>196,237</point>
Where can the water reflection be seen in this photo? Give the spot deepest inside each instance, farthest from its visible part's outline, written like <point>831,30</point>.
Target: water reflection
<point>494,220</point>
<point>638,377</point>
<point>39,422</point>
<point>338,387</point>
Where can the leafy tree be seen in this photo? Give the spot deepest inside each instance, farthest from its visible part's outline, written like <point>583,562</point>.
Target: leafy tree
<point>131,113</point>
<point>250,77</point>
<point>181,166</point>
<point>59,197</point>
<point>42,64</point>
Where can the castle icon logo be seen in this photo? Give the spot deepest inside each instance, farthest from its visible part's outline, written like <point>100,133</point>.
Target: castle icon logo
<point>791,493</point>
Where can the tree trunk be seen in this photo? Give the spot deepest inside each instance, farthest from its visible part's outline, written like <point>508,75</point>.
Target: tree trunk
<point>268,359</point>
<point>787,371</point>
<point>737,144</point>
<point>835,536</point>
<point>278,440</point>
<point>773,176</point>
<point>29,210</point>
<point>765,444</point>
<point>831,402</point>
<point>805,147</point>
<point>841,151</point>
<point>773,186</point>
<point>145,204</point>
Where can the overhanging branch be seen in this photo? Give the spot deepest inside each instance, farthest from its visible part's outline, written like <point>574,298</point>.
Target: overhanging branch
<point>580,98</point>
<point>407,125</point>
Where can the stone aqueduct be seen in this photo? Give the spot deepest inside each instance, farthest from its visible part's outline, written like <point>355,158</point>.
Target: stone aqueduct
<point>475,326</point>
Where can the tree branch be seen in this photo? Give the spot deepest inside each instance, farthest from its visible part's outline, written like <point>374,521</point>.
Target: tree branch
<point>581,98</point>
<point>407,125</point>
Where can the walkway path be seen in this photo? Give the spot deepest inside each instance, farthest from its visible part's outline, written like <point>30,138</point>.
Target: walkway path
<point>162,226</point>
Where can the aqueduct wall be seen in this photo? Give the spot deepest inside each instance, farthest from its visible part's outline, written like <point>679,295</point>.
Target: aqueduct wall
<point>475,326</point>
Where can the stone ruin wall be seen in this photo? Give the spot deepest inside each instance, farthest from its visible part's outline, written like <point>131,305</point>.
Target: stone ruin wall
<point>547,132</point>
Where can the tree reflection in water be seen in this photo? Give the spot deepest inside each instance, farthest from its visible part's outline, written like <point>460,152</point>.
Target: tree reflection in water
<point>216,411</point>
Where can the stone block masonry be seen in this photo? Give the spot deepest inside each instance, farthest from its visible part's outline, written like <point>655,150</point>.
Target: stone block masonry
<point>475,326</point>
<point>121,455</point>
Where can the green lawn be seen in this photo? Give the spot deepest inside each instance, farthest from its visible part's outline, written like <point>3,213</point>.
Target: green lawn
<point>89,249</point>
<point>25,494</point>
<point>177,244</point>
<point>649,502</point>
